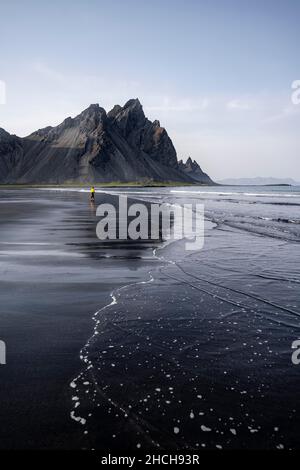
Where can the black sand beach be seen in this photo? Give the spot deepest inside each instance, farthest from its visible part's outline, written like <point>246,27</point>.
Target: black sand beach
<point>195,355</point>
<point>54,276</point>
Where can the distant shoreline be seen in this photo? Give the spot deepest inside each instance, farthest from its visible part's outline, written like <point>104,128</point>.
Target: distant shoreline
<point>114,184</point>
<point>135,184</point>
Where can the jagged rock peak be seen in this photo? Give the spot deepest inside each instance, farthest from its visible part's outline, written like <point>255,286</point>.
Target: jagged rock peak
<point>193,170</point>
<point>114,111</point>
<point>189,164</point>
<point>94,110</point>
<point>128,118</point>
<point>134,109</point>
<point>133,103</point>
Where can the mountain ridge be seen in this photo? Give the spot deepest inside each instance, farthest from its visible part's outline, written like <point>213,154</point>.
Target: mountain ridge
<point>94,147</point>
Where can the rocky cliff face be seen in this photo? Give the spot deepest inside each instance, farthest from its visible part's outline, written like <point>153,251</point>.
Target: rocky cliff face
<point>11,152</point>
<point>193,170</point>
<point>95,146</point>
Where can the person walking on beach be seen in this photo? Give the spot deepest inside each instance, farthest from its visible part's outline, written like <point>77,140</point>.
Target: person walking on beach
<point>92,194</point>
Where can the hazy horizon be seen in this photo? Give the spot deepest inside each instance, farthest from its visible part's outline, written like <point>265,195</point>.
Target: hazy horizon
<point>217,75</point>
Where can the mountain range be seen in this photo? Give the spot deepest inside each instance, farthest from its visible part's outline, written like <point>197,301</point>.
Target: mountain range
<point>259,181</point>
<point>97,147</point>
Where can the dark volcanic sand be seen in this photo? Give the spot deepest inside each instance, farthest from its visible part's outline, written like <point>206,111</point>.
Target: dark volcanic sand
<point>49,292</point>
<point>195,356</point>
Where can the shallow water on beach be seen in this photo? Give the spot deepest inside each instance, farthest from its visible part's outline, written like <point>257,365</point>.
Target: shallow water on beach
<point>199,354</point>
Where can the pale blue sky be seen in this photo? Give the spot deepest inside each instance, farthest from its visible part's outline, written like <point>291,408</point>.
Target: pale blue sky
<point>217,73</point>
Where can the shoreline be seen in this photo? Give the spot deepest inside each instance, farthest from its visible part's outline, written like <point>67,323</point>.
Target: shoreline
<point>113,184</point>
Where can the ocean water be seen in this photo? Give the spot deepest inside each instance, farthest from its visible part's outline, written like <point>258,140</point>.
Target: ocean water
<point>267,210</point>
<point>198,354</point>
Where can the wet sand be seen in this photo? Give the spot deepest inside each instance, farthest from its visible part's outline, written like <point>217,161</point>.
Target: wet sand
<point>54,276</point>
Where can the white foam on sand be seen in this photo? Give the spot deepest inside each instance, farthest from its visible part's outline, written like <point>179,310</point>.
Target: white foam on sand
<point>29,243</point>
<point>236,193</point>
<point>40,253</point>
